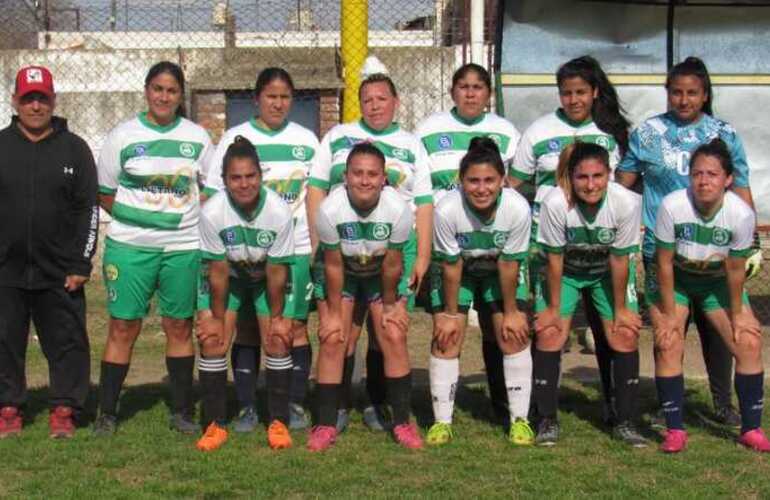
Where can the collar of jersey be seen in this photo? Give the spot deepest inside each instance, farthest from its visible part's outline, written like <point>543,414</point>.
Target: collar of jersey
<point>158,128</point>
<point>361,213</point>
<point>387,130</point>
<point>698,212</point>
<point>268,130</point>
<point>681,124</point>
<point>257,209</point>
<point>478,216</point>
<point>561,115</point>
<point>467,121</point>
<point>581,208</point>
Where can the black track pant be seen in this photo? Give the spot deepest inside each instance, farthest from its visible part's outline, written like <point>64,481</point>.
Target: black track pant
<point>60,321</point>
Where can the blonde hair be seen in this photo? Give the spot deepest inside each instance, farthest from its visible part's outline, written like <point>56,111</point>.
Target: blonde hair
<point>563,174</point>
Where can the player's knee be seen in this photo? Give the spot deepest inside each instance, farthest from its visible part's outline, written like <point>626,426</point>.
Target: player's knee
<point>299,333</point>
<point>124,332</point>
<point>394,336</point>
<point>749,347</point>
<point>550,339</point>
<point>179,330</point>
<point>213,348</point>
<point>512,346</point>
<point>623,341</point>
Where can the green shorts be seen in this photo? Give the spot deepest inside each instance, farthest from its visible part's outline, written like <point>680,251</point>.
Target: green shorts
<point>476,291</point>
<point>244,297</point>
<point>409,255</point>
<point>132,275</point>
<point>299,289</point>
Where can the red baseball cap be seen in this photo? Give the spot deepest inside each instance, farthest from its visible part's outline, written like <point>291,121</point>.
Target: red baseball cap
<point>34,79</point>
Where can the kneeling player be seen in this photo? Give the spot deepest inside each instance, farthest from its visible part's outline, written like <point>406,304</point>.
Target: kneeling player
<point>246,243</point>
<point>703,235</point>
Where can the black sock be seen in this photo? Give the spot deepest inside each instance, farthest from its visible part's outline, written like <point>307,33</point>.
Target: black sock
<point>346,389</point>
<point>604,357</point>
<point>399,396</point>
<point>278,378</point>
<point>493,363</point>
<point>212,375</point>
<point>625,373</point>
<point>180,379</point>
<point>110,383</point>
<point>302,358</point>
<point>545,382</point>
<point>245,361</point>
<point>375,376</point>
<point>328,399</point>
<point>671,397</point>
<point>750,394</point>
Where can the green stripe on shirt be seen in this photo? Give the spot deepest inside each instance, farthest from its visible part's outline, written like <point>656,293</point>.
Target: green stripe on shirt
<point>460,141</point>
<point>149,219</point>
<point>162,148</point>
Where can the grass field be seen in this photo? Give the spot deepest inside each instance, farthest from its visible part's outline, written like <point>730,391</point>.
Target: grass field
<point>145,460</point>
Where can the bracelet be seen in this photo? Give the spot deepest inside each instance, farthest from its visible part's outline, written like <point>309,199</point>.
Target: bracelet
<point>449,315</point>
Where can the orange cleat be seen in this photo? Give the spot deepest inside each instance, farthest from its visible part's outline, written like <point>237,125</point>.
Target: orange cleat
<point>278,436</point>
<point>214,437</point>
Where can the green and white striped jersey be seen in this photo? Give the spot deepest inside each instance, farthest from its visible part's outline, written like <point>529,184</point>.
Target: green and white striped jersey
<point>586,242</point>
<point>447,136</point>
<point>458,231</point>
<point>153,172</point>
<point>247,241</point>
<point>700,246</point>
<point>285,156</point>
<point>364,239</point>
<point>406,163</point>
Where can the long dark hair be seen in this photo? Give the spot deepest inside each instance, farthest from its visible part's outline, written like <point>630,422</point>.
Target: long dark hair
<point>606,111</point>
<point>174,70</point>
<point>694,66</point>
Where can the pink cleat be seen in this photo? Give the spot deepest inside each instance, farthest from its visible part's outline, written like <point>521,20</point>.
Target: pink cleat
<point>10,422</point>
<point>321,437</point>
<point>675,441</point>
<point>407,436</point>
<point>756,440</point>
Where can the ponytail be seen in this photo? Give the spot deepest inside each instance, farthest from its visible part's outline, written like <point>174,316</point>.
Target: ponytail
<point>482,150</point>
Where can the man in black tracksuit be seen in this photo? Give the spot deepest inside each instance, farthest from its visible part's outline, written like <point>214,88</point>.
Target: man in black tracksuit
<point>48,231</point>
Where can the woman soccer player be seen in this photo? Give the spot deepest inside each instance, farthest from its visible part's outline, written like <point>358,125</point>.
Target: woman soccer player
<point>446,136</point>
<point>148,182</point>
<point>362,228</point>
<point>481,236</point>
<point>588,229</point>
<point>247,245</point>
<point>659,153</point>
<point>703,235</point>
<point>286,151</point>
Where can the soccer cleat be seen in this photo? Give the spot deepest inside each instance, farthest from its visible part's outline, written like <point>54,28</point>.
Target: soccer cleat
<point>439,433</point>
<point>547,432</point>
<point>183,423</point>
<point>214,437</point>
<point>105,425</point>
<point>726,415</point>
<point>278,436</point>
<point>321,437</point>
<point>10,422</point>
<point>343,419</point>
<point>658,420</point>
<point>60,423</point>
<point>298,418</point>
<point>521,433</point>
<point>674,442</point>
<point>247,420</point>
<point>407,436</point>
<point>628,433</point>
<point>756,440</point>
<point>377,417</point>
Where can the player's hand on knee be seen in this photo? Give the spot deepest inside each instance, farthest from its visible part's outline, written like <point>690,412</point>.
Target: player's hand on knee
<point>447,330</point>
<point>627,321</point>
<point>515,327</point>
<point>280,331</point>
<point>209,330</point>
<point>395,314</point>
<point>547,319</point>
<point>745,323</point>
<point>331,329</point>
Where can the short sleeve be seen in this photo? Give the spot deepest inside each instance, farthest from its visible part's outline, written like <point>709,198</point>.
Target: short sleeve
<point>205,158</point>
<point>401,230</point>
<point>743,236</point>
<point>632,159</point>
<point>523,167</point>
<point>212,247</point>
<point>327,233</point>
<point>552,225</point>
<point>517,245</point>
<point>213,167</point>
<point>740,164</point>
<point>664,228</point>
<point>628,225</point>
<point>423,188</point>
<point>514,137</point>
<point>320,170</point>
<point>108,167</point>
<point>444,238</point>
<point>282,249</point>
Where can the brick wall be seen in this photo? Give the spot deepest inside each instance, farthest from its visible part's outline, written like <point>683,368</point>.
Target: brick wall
<point>329,112</point>
<point>209,112</point>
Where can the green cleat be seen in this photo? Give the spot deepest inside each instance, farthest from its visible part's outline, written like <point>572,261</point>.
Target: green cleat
<point>439,433</point>
<point>521,433</point>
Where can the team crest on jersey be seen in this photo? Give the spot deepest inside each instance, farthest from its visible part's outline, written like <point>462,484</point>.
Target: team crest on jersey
<point>140,150</point>
<point>687,233</point>
<point>352,141</point>
<point>229,237</point>
<point>349,231</point>
<point>444,141</point>
<point>605,236</point>
<point>554,145</point>
<point>298,152</point>
<point>499,239</point>
<point>720,237</point>
<point>380,231</point>
<point>187,150</point>
<point>570,234</point>
<point>399,154</point>
<point>111,272</point>
<point>603,142</point>
<point>463,241</point>
<point>265,239</point>
<point>112,294</point>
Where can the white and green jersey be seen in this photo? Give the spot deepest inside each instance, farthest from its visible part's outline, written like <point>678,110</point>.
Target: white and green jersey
<point>447,136</point>
<point>153,172</point>
<point>247,241</point>
<point>586,242</point>
<point>364,239</point>
<point>459,232</point>
<point>701,245</point>
<point>406,163</point>
<point>285,156</point>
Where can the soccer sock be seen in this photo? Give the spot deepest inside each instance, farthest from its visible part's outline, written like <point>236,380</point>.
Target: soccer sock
<point>328,399</point>
<point>517,369</point>
<point>180,378</point>
<point>671,396</point>
<point>375,376</point>
<point>302,358</point>
<point>212,374</point>
<point>346,389</point>
<point>399,391</point>
<point>545,377</point>
<point>245,361</point>
<point>278,378</point>
<point>493,363</point>
<point>110,383</point>
<point>604,361</point>
<point>444,374</point>
<point>625,373</point>
<point>750,394</point>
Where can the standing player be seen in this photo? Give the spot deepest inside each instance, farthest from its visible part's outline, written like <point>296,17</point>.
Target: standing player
<point>148,182</point>
<point>446,136</point>
<point>481,236</point>
<point>285,151</point>
<point>703,235</point>
<point>246,243</point>
<point>659,153</point>
<point>588,229</point>
<point>362,228</point>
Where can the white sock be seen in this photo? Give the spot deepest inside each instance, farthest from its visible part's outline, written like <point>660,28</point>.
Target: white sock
<point>518,382</point>
<point>444,374</point>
